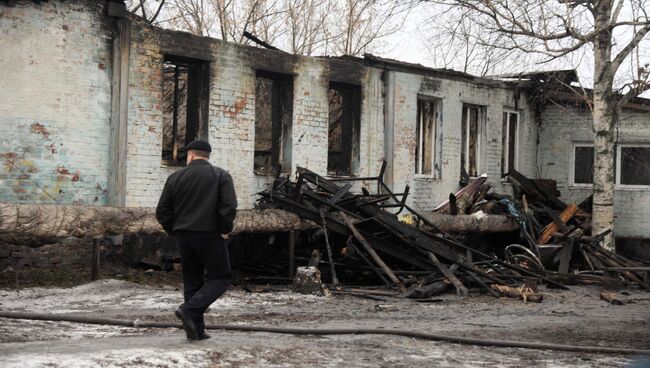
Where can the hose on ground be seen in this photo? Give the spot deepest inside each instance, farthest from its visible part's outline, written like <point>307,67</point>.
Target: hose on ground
<point>328,331</point>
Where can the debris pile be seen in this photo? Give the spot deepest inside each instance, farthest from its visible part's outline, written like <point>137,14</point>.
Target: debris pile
<point>377,238</point>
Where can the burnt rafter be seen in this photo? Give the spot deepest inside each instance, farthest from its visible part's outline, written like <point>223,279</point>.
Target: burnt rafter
<point>395,250</point>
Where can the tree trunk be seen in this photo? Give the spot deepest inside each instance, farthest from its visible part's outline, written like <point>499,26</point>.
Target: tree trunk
<point>604,151</point>
<point>605,117</point>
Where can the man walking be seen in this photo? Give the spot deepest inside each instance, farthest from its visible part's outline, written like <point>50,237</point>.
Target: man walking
<point>197,207</point>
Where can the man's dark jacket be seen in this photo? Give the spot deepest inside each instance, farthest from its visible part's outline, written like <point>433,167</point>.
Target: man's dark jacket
<point>199,197</point>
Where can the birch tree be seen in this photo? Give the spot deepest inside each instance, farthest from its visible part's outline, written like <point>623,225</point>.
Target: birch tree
<point>611,30</point>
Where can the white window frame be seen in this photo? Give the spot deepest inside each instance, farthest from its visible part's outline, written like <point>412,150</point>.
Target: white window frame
<point>572,166</point>
<point>482,114</point>
<point>619,155</point>
<point>506,148</point>
<point>435,142</point>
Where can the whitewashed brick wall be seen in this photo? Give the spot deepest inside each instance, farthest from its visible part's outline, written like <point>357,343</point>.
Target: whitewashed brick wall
<point>428,192</point>
<point>55,102</point>
<point>563,126</point>
<point>232,118</point>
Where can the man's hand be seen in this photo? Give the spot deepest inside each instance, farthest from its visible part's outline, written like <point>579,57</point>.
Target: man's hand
<point>225,236</point>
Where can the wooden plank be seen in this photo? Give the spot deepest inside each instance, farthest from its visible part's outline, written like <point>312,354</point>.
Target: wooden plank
<point>329,248</point>
<point>467,190</point>
<point>551,228</point>
<point>94,266</point>
<point>460,288</point>
<point>292,247</point>
<point>367,261</point>
<point>524,294</point>
<point>372,252</point>
<point>610,297</point>
<point>565,255</point>
<point>119,114</point>
<point>533,191</point>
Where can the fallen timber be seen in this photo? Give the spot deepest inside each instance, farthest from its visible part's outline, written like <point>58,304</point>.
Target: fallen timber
<point>363,232</point>
<point>420,259</point>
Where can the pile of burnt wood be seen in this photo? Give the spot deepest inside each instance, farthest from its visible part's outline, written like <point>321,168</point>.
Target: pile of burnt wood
<point>476,240</point>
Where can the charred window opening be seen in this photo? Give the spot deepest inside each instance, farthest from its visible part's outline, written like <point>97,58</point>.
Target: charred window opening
<point>633,164</point>
<point>343,128</point>
<point>185,104</point>
<point>472,128</point>
<point>583,169</point>
<point>273,114</point>
<point>427,136</point>
<point>509,142</point>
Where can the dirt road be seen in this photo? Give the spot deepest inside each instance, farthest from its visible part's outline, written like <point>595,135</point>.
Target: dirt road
<point>574,317</point>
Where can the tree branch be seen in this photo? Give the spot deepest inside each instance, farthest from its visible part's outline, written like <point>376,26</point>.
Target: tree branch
<point>618,60</point>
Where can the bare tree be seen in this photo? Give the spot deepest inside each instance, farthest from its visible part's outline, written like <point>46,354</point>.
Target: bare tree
<point>299,26</point>
<point>195,16</point>
<point>362,23</point>
<point>235,17</point>
<point>309,25</point>
<point>452,43</point>
<point>149,10</point>
<point>611,29</point>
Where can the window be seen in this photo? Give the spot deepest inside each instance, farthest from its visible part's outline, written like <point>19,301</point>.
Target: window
<point>273,114</point>
<point>185,105</point>
<point>509,142</point>
<point>343,128</point>
<point>633,164</point>
<point>427,132</point>
<point>472,125</point>
<point>583,164</point>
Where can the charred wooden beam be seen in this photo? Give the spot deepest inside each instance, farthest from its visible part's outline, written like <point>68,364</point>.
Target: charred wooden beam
<point>372,252</point>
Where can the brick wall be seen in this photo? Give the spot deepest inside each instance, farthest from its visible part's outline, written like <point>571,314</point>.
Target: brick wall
<point>231,126</point>
<point>562,127</point>
<point>55,102</point>
<point>47,142</point>
<point>427,191</point>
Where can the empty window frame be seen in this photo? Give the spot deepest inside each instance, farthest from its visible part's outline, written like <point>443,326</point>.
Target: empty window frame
<point>343,128</point>
<point>473,118</point>
<point>509,142</point>
<point>583,164</point>
<point>633,164</point>
<point>185,105</point>
<point>427,137</point>
<point>273,114</point>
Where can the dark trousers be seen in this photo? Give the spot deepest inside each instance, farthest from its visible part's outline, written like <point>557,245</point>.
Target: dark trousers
<point>206,271</point>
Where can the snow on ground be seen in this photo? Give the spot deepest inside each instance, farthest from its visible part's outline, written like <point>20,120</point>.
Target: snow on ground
<point>576,316</point>
<point>118,294</point>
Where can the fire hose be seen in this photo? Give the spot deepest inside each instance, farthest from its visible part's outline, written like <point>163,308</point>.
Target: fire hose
<point>329,331</point>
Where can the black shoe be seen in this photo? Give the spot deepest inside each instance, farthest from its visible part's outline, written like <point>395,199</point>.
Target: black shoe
<point>188,324</point>
<point>203,336</point>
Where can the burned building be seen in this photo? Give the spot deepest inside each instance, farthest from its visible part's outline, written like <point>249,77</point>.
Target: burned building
<point>96,104</point>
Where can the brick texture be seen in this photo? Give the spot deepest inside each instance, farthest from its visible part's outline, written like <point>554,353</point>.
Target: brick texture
<point>55,102</point>
<point>561,128</point>
<point>427,192</point>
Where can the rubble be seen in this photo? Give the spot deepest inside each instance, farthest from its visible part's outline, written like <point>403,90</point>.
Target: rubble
<point>307,281</point>
<point>366,243</point>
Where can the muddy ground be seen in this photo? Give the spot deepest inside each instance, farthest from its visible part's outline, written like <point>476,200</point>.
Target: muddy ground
<point>576,317</point>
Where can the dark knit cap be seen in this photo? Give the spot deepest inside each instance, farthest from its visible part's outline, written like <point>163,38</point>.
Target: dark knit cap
<point>199,145</point>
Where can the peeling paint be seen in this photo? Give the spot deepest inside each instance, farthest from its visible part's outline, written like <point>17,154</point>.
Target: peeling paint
<point>39,128</point>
